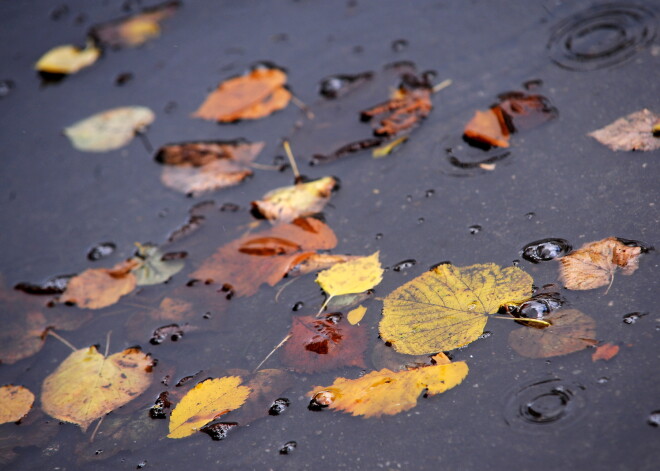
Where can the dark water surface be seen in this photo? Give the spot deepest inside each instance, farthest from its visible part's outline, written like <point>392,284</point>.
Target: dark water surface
<point>510,412</point>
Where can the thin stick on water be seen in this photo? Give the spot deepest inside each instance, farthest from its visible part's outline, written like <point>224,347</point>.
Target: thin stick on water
<point>96,429</point>
<point>107,343</point>
<point>145,141</point>
<point>442,85</point>
<point>264,166</point>
<point>62,339</point>
<point>271,352</point>
<point>325,304</point>
<point>285,285</point>
<point>525,319</point>
<point>301,104</point>
<point>292,160</point>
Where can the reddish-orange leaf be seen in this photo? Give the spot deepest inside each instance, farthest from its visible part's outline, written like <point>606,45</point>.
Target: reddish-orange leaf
<point>607,351</point>
<point>266,256</point>
<point>488,127</point>
<point>324,344</point>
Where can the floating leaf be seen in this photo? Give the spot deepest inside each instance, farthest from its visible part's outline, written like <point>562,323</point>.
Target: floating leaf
<point>97,288</point>
<point>154,268</point>
<point>632,132</point>
<point>134,30</point>
<point>354,276</point>
<point>356,315</point>
<point>205,402</point>
<point>448,307</point>
<point>324,344</point>
<point>388,148</point>
<point>488,127</point>
<point>593,265</point>
<point>67,59</point>
<point>198,167</point>
<point>302,199</point>
<point>15,403</point>
<point>386,392</point>
<point>606,352</point>
<point>570,331</point>
<point>266,256</point>
<point>109,129</point>
<point>88,385</point>
<point>251,96</point>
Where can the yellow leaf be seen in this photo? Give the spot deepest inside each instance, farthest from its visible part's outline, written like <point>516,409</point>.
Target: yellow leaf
<point>303,199</point>
<point>387,149</point>
<point>387,392</point>
<point>67,59</point>
<point>354,276</point>
<point>206,401</point>
<point>15,403</point>
<point>356,314</point>
<point>109,129</point>
<point>448,307</point>
<point>97,288</point>
<point>88,385</point>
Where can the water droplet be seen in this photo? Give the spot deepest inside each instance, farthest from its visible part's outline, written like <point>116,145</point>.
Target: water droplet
<point>54,285</point>
<point>545,249</point>
<point>633,317</point>
<point>123,78</point>
<point>220,430</point>
<point>475,229</point>
<point>279,406</point>
<point>485,335</point>
<point>404,265</point>
<point>6,86</point>
<point>379,236</point>
<point>161,333</point>
<point>98,452</point>
<point>100,251</point>
<point>429,193</point>
<point>298,306</point>
<point>515,262</point>
<point>338,85</point>
<point>288,448</point>
<point>141,464</point>
<point>399,45</point>
<point>420,221</point>
<point>530,215</point>
<point>321,400</point>
<point>409,198</point>
<point>603,380</point>
<point>159,409</point>
<point>654,418</point>
<point>206,315</point>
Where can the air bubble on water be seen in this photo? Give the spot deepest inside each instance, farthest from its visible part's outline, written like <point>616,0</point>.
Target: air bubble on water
<point>545,249</point>
<point>141,464</point>
<point>321,400</point>
<point>633,317</point>
<point>420,221</point>
<point>399,45</point>
<point>530,215</point>
<point>100,251</point>
<point>429,193</point>
<point>475,229</point>
<point>654,419</point>
<point>379,236</point>
<point>288,448</point>
<point>409,198</point>
<point>603,380</point>
<point>279,406</point>
<point>404,265</point>
<point>298,306</point>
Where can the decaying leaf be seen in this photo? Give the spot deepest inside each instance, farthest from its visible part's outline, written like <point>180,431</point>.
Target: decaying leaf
<point>448,307</point>
<point>88,385</point>
<point>571,331</point>
<point>15,403</point>
<point>354,276</point>
<point>632,132</point>
<point>266,256</point>
<point>109,129</point>
<point>606,352</point>
<point>97,288</point>
<point>199,167</point>
<point>155,267</point>
<point>593,265</point>
<point>388,148</point>
<point>290,202</point>
<point>356,315</point>
<point>134,30</point>
<point>386,392</point>
<point>324,344</point>
<point>205,402</point>
<point>251,96</point>
<point>67,59</point>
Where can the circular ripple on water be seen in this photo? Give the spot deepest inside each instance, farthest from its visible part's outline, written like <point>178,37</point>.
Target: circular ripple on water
<point>601,36</point>
<point>545,405</point>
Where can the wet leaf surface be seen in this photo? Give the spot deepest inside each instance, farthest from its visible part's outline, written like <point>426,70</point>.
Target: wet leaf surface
<point>355,276</point>
<point>97,288</point>
<point>632,132</point>
<point>155,267</point>
<point>15,403</point>
<point>356,315</point>
<point>67,59</point>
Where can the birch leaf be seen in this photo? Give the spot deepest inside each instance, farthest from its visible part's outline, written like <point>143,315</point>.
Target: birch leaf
<point>632,132</point>
<point>356,315</point>
<point>354,276</point>
<point>67,59</point>
<point>15,403</point>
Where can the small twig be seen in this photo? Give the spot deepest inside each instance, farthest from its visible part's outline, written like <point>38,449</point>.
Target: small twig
<point>107,343</point>
<point>271,352</point>
<point>62,339</point>
<point>442,85</point>
<point>279,291</point>
<point>300,104</point>
<point>325,304</point>
<point>292,160</point>
<point>145,141</point>
<point>610,285</point>
<point>96,429</point>
<point>264,166</point>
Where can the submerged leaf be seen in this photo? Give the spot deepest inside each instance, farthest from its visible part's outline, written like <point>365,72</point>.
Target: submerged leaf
<point>109,129</point>
<point>632,132</point>
<point>88,385</point>
<point>386,392</point>
<point>302,199</point>
<point>594,264</point>
<point>354,276</point>
<point>205,402</point>
<point>198,167</point>
<point>97,288</point>
<point>15,403</point>
<point>254,95</point>
<point>449,306</point>
<point>67,59</point>
<point>570,331</point>
<point>606,352</point>
<point>155,267</point>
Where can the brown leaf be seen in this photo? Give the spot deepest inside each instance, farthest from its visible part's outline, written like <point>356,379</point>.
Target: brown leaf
<point>605,352</point>
<point>488,127</point>
<point>324,344</point>
<point>266,256</point>
<point>632,132</point>
<point>594,264</point>
<point>571,331</point>
<point>101,287</point>
<point>198,167</point>
<point>254,95</point>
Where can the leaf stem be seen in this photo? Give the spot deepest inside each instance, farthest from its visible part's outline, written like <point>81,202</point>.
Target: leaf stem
<point>271,352</point>
<point>96,429</point>
<point>292,160</point>
<point>325,304</point>
<point>442,85</point>
<point>107,343</point>
<point>301,104</point>
<point>62,339</point>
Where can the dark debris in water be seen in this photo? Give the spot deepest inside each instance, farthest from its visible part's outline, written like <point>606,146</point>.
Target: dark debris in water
<point>338,85</point>
<point>160,407</point>
<point>288,448</point>
<point>219,431</point>
<point>101,251</point>
<point>54,285</point>
<point>279,406</point>
<point>633,317</point>
<point>545,250</point>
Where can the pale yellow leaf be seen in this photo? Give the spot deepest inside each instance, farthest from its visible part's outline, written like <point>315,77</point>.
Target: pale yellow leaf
<point>354,276</point>
<point>67,59</point>
<point>15,403</point>
<point>356,314</point>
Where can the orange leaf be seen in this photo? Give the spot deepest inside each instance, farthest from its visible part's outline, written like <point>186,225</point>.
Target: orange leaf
<point>254,95</point>
<point>101,287</point>
<point>605,352</point>
<point>489,127</point>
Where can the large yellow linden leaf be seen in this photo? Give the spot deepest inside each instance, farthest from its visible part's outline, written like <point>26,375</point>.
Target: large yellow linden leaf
<point>67,59</point>
<point>88,385</point>
<point>387,392</point>
<point>448,307</point>
<point>354,276</point>
<point>206,401</point>
<point>15,403</point>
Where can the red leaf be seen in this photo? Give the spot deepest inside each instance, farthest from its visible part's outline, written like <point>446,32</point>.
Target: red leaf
<point>605,352</point>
